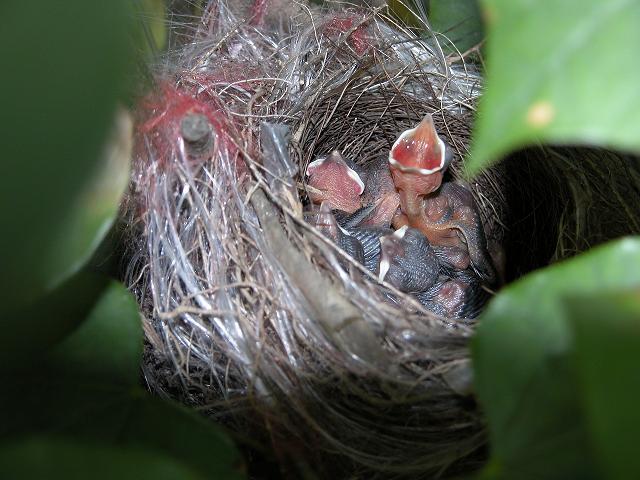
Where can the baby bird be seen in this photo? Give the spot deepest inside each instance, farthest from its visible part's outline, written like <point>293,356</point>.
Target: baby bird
<point>369,238</point>
<point>407,261</point>
<point>381,192</point>
<point>445,213</point>
<point>457,297</point>
<point>333,181</point>
<point>456,226</point>
<point>355,224</point>
<point>417,161</point>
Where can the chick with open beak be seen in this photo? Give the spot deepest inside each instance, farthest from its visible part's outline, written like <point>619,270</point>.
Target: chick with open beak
<point>334,182</point>
<point>417,161</point>
<point>445,213</point>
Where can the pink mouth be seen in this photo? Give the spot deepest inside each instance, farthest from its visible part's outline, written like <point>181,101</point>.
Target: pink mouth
<point>419,150</point>
<point>332,180</point>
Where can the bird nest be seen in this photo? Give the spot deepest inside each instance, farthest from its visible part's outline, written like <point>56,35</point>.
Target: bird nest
<point>250,313</point>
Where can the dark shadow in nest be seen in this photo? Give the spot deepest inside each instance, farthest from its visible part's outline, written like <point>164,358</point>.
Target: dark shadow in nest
<point>563,201</point>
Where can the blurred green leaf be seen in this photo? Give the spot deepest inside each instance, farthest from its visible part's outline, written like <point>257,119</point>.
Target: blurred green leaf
<point>409,12</point>
<point>458,20</point>
<point>153,25</point>
<point>95,209</point>
<point>558,72</point>
<point>64,68</point>
<point>125,418</point>
<point>56,458</point>
<point>87,388</point>
<point>95,366</point>
<point>524,379</point>
<point>546,437</point>
<point>607,341</point>
<point>108,345</point>
<point>172,429</point>
<point>30,331</point>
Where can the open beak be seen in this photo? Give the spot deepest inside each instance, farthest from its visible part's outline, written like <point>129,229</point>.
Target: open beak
<point>336,168</point>
<point>419,150</point>
<point>331,179</point>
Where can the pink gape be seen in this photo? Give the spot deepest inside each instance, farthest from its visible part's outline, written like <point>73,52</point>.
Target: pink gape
<point>445,213</point>
<point>333,182</point>
<point>338,185</point>
<point>417,163</point>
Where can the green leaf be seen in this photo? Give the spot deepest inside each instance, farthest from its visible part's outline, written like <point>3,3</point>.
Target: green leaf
<point>523,377</point>
<point>95,209</point>
<point>558,72</point>
<point>87,388</point>
<point>108,345</point>
<point>56,458</point>
<point>64,66</point>
<point>29,332</point>
<point>607,342</point>
<point>409,12</point>
<point>546,437</point>
<point>458,20</point>
<point>183,435</point>
<point>153,25</point>
<point>120,417</point>
<point>95,366</point>
<point>125,418</point>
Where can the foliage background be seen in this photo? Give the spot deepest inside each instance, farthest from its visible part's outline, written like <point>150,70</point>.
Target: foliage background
<point>555,352</point>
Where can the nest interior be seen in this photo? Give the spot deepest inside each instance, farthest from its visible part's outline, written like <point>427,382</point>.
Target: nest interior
<point>250,314</point>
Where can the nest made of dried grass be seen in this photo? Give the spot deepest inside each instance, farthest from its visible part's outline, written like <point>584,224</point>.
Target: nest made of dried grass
<point>250,313</point>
